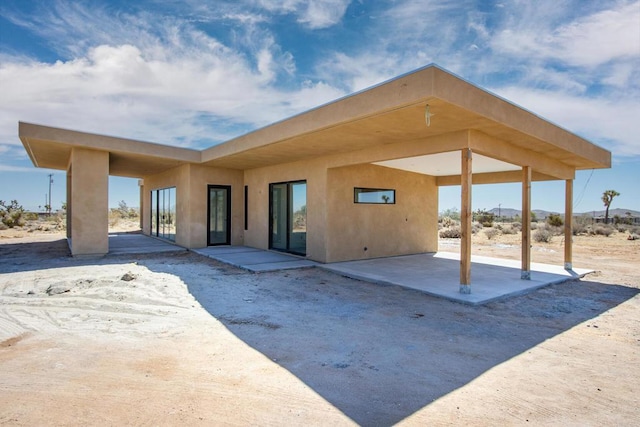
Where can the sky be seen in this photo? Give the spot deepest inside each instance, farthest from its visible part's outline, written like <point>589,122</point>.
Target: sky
<point>195,73</point>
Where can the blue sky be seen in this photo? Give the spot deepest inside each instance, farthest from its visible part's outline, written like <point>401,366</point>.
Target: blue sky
<point>194,73</point>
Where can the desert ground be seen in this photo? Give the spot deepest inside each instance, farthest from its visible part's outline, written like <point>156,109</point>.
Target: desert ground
<point>179,339</point>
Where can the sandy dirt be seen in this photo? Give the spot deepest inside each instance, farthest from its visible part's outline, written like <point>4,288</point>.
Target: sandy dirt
<point>178,339</point>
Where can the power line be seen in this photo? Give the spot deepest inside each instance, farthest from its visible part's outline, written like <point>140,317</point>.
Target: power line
<point>575,204</point>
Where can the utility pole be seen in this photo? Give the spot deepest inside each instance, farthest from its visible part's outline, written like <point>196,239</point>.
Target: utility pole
<point>499,211</point>
<point>50,182</point>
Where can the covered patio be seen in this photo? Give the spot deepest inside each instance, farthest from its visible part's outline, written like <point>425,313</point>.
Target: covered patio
<point>493,278</point>
<point>430,273</point>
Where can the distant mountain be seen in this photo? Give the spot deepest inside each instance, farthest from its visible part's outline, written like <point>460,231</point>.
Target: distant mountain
<point>542,214</point>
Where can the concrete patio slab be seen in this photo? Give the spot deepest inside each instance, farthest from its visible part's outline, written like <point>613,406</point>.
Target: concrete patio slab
<point>437,274</point>
<point>255,260</point>
<point>137,243</point>
<point>434,273</point>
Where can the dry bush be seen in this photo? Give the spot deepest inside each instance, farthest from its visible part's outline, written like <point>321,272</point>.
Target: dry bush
<point>476,227</point>
<point>555,220</point>
<point>491,233</point>
<point>542,235</point>
<point>447,221</point>
<point>11,214</point>
<point>451,233</point>
<point>534,225</point>
<point>511,229</point>
<point>581,225</point>
<point>114,217</point>
<point>602,230</point>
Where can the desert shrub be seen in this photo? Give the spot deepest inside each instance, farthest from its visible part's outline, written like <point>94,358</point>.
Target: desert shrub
<point>447,221</point>
<point>491,233</point>
<point>11,214</point>
<point>484,217</point>
<point>622,228</point>
<point>452,213</point>
<point>510,230</point>
<point>124,211</point>
<point>556,231</point>
<point>555,220</point>
<point>3,226</point>
<point>602,230</point>
<point>498,227</point>
<point>516,226</point>
<point>534,225</point>
<point>542,235</point>
<point>451,233</point>
<point>634,230</point>
<point>30,216</point>
<point>581,225</point>
<point>476,227</point>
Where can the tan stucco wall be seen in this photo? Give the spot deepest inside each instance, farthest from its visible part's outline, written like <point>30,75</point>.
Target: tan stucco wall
<point>89,211</point>
<point>409,226</point>
<point>191,183</point>
<point>199,178</point>
<point>338,229</point>
<point>179,178</point>
<point>258,180</point>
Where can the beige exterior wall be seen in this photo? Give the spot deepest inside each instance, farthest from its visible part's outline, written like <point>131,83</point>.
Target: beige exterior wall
<point>258,180</point>
<point>200,177</point>
<point>409,226</point>
<point>88,177</point>
<point>191,183</point>
<point>331,213</point>
<point>179,178</point>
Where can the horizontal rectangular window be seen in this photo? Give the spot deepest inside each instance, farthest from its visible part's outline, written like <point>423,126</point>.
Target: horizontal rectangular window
<point>374,195</point>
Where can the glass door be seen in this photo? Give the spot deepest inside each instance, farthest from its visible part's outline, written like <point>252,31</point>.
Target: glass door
<point>219,214</point>
<point>288,212</point>
<point>163,213</point>
<point>279,233</point>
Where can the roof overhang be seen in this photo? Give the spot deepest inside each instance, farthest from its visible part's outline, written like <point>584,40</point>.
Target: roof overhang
<point>50,147</point>
<point>504,135</point>
<point>394,112</point>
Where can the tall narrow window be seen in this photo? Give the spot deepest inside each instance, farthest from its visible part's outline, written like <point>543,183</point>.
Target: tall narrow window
<point>246,207</point>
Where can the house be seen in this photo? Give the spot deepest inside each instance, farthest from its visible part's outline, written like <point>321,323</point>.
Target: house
<point>353,179</point>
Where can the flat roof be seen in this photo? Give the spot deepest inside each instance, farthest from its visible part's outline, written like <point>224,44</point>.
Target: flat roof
<point>388,113</point>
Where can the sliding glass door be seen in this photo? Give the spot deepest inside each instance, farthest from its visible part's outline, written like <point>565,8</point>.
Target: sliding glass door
<point>288,217</point>
<point>219,214</point>
<point>163,213</point>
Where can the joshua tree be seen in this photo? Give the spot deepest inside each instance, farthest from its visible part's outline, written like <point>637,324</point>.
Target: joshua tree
<point>607,198</point>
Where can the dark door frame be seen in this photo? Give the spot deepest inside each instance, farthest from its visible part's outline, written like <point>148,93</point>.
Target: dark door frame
<point>228,213</point>
<point>288,219</point>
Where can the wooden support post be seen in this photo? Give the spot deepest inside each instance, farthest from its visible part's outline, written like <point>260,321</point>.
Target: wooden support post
<point>465,219</point>
<point>568,225</point>
<point>526,223</point>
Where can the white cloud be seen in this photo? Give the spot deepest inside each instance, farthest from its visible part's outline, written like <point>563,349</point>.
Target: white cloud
<point>314,14</point>
<point>174,85</point>
<point>323,13</point>
<point>589,40</point>
<point>573,62</point>
<point>612,124</point>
